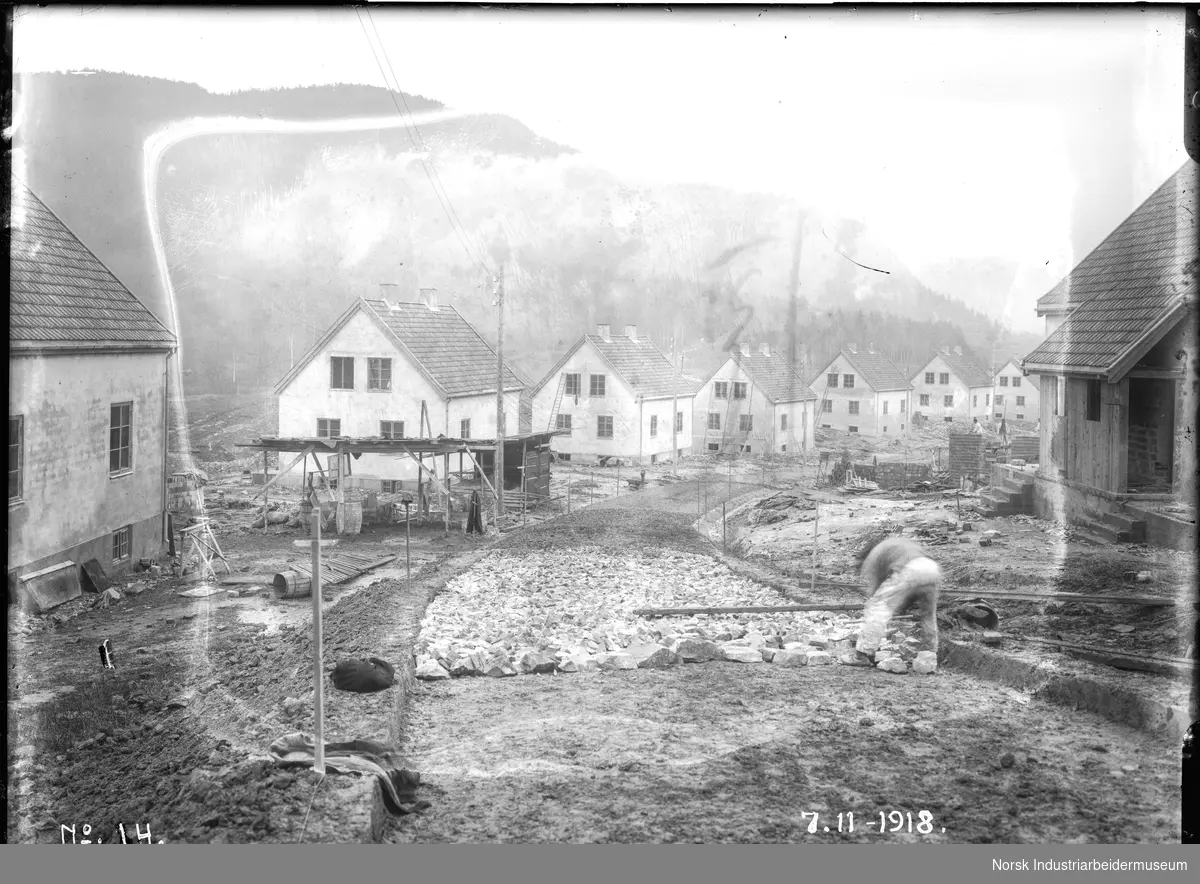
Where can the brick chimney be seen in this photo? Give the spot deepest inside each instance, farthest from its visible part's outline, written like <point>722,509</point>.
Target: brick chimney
<point>745,348</point>
<point>945,351</point>
<point>958,351</point>
<point>852,347</point>
<point>871,347</point>
<point>631,332</point>
<point>429,298</point>
<point>764,348</point>
<point>602,331</point>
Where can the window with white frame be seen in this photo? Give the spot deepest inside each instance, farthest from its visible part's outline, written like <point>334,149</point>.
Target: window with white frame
<point>596,387</point>
<point>944,378</point>
<point>929,377</point>
<point>745,423</point>
<point>1021,400</point>
<point>16,455</point>
<point>714,420</point>
<point>852,406</point>
<point>653,425</point>
<point>341,372</point>
<point>379,374</point>
<point>573,386</point>
<point>328,427</point>
<point>1003,381</point>
<point>391,429</point>
<point>464,428</point>
<point>827,407</point>
<point>848,381</point>
<point>721,389</point>
<point>783,421</point>
<point>679,422</point>
<point>948,401</point>
<point>120,437</point>
<point>562,422</point>
<point>739,390</point>
<point>1016,382</point>
<point>604,426</point>
<point>924,400</point>
<point>885,406</point>
<point>122,543</point>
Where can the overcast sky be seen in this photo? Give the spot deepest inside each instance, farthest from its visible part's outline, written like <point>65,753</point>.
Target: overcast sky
<point>956,133</point>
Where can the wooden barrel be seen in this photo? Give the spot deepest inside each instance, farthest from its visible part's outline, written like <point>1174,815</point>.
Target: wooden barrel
<point>292,585</point>
<point>349,518</point>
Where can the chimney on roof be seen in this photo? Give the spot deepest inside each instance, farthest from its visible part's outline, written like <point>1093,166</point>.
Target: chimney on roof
<point>945,351</point>
<point>631,332</point>
<point>745,348</point>
<point>602,331</point>
<point>429,298</point>
<point>764,348</point>
<point>852,347</point>
<point>958,351</point>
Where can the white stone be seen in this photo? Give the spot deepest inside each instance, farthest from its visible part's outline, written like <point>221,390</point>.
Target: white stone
<point>925,663</point>
<point>790,658</point>
<point>617,660</point>
<point>819,658</point>
<point>893,664</point>
<point>431,670</point>
<point>741,654</point>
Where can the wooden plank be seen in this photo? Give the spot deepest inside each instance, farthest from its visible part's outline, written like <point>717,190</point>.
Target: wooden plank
<point>282,473</point>
<point>749,609</point>
<point>1145,601</point>
<point>1120,659</point>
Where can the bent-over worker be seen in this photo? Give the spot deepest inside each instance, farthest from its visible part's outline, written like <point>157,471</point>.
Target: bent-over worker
<point>899,576</point>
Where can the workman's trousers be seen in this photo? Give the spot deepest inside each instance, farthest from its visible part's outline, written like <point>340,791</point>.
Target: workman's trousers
<point>915,585</point>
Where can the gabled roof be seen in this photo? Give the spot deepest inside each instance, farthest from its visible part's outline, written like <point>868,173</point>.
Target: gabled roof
<point>1145,246</point>
<point>879,372</point>
<point>772,375</point>
<point>640,364</point>
<point>62,297</point>
<point>444,347</point>
<point>964,368</point>
<point>1140,286</point>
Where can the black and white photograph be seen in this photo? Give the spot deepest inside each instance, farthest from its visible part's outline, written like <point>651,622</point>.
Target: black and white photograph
<point>696,425</point>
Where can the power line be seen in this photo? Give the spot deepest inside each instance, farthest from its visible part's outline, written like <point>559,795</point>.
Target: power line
<point>470,254</point>
<point>420,137</point>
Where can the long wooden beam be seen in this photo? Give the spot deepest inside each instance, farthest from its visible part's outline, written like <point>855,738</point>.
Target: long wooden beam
<point>749,609</point>
<point>482,474</point>
<point>1119,659</point>
<point>282,473</point>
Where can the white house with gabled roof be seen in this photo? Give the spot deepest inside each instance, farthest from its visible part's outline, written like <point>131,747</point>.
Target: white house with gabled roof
<point>1015,394</point>
<point>754,403</point>
<point>614,395</point>
<point>396,370</point>
<point>862,391</point>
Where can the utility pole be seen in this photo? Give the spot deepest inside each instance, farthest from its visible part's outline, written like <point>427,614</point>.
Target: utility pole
<point>499,469</point>
<point>675,406</point>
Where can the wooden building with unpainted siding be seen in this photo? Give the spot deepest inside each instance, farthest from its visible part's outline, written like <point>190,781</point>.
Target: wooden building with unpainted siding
<point>1118,398</point>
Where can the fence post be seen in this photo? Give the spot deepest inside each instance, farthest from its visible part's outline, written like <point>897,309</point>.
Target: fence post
<point>724,530</point>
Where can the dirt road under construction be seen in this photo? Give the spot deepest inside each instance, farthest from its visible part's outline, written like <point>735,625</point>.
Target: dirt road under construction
<point>737,752</point>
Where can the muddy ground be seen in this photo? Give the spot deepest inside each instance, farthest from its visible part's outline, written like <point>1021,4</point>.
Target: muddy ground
<point>737,752</point>
<point>176,738</point>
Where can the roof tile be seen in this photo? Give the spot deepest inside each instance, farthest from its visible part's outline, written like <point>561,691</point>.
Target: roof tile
<point>62,296</point>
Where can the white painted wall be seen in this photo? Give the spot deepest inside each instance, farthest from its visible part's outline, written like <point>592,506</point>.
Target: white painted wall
<point>767,435</point>
<point>309,397</point>
<point>870,420</point>
<point>69,499</point>
<point>969,402</point>
<point>1014,386</point>
<point>631,419</point>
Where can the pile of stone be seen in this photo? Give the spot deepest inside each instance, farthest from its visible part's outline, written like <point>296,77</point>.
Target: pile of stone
<point>573,612</point>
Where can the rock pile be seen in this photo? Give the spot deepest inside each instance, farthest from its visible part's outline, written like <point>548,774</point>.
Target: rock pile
<point>573,612</point>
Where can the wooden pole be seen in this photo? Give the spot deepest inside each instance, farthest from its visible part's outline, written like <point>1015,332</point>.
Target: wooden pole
<point>499,491</point>
<point>266,496</point>
<point>674,406</point>
<point>407,540</point>
<point>446,513</point>
<point>318,674</point>
<point>729,489</point>
<point>724,530</point>
<point>816,525</point>
<point>618,478</point>
<point>568,495</point>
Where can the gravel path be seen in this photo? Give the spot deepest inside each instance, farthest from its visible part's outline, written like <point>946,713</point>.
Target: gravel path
<point>727,751</point>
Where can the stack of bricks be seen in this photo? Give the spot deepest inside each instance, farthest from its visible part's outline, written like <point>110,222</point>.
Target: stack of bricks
<point>901,475</point>
<point>1026,448</point>
<point>966,455</point>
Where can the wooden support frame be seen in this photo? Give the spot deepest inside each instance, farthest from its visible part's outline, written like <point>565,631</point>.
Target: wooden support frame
<point>482,474</point>
<point>302,456</point>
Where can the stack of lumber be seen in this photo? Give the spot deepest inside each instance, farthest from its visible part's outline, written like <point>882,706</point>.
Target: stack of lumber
<point>341,567</point>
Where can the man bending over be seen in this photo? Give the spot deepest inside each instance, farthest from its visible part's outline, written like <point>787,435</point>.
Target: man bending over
<point>899,576</point>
